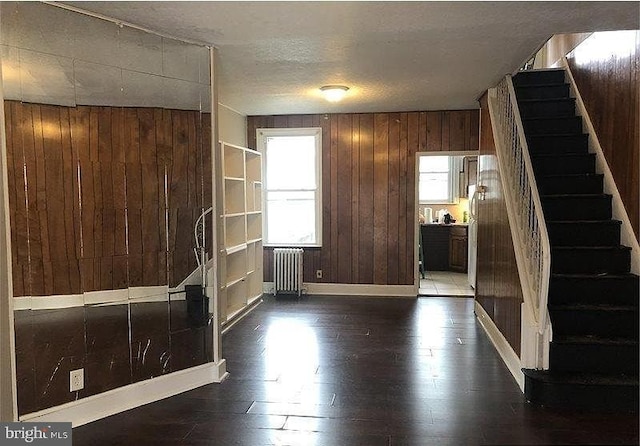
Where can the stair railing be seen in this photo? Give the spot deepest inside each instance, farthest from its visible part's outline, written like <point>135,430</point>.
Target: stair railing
<point>200,251</point>
<point>526,219</point>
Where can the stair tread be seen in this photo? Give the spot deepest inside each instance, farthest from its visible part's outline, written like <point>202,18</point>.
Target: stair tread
<point>549,376</point>
<point>544,84</point>
<point>549,118</point>
<point>594,340</point>
<point>586,222</point>
<point>597,307</point>
<point>594,276</point>
<point>547,100</point>
<point>546,135</point>
<point>574,195</point>
<point>602,248</point>
<point>560,175</point>
<point>561,154</point>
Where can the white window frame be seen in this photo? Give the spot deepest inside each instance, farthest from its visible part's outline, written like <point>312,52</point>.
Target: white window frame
<point>261,137</point>
<point>455,164</point>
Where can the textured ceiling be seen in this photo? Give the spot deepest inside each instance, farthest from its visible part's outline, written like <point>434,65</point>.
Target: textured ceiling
<point>395,56</point>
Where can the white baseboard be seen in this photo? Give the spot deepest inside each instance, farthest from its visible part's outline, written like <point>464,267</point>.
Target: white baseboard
<point>118,400</point>
<point>501,344</point>
<point>354,289</point>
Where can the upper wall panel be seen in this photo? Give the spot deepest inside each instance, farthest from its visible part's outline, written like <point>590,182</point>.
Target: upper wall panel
<point>53,56</point>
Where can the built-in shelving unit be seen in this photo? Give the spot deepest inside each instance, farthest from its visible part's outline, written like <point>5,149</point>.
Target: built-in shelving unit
<point>241,246</point>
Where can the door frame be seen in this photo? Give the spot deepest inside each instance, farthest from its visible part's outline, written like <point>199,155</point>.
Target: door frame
<point>416,204</point>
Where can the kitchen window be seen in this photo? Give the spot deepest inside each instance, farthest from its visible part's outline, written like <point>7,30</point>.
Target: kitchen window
<point>438,179</point>
<point>292,186</point>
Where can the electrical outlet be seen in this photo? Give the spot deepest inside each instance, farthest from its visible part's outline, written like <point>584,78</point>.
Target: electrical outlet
<point>76,380</point>
<point>318,274</point>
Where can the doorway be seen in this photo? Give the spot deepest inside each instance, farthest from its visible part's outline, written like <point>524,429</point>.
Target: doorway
<point>445,242</point>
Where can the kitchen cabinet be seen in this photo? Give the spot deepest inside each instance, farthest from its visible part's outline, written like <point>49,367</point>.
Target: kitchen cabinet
<point>444,247</point>
<point>435,247</point>
<point>458,245</point>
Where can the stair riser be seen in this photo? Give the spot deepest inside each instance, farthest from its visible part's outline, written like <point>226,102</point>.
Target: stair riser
<point>546,109</point>
<point>573,261</point>
<point>614,398</point>
<point>539,77</point>
<point>616,291</point>
<point>594,358</point>
<point>623,324</point>
<point>546,92</point>
<point>553,126</point>
<point>549,145</point>
<point>586,184</point>
<point>577,208</point>
<point>567,165</point>
<point>583,234</point>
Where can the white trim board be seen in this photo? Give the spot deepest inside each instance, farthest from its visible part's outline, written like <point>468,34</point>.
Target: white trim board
<point>104,297</point>
<point>118,400</point>
<point>353,289</point>
<point>510,358</point>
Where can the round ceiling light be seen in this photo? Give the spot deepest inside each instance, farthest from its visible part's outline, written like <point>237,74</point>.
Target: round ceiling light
<point>334,93</point>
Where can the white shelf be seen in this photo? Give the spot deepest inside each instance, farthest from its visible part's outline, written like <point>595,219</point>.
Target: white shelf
<point>233,161</point>
<point>253,196</point>
<point>236,248</point>
<point>236,266</point>
<point>252,299</point>
<point>254,226</point>
<point>254,166</point>
<point>241,250</point>
<point>251,258</point>
<point>254,281</point>
<point>235,230</point>
<point>233,196</point>
<point>233,282</point>
<point>236,298</point>
<point>235,214</point>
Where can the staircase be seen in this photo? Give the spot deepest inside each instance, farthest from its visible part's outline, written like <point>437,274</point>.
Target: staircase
<point>593,299</point>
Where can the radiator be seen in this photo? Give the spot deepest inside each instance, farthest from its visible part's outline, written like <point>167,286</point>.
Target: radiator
<point>287,270</point>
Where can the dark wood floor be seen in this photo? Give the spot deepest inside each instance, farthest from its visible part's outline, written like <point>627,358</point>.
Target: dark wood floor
<point>353,371</point>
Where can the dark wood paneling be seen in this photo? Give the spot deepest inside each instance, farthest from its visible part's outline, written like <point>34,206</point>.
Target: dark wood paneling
<point>498,284</point>
<point>368,181</point>
<point>365,236</point>
<point>609,85</point>
<point>97,174</point>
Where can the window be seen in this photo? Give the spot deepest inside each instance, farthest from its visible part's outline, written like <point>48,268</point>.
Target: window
<point>438,179</point>
<point>292,191</point>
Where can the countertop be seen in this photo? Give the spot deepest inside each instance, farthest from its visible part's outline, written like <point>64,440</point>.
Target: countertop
<point>444,224</point>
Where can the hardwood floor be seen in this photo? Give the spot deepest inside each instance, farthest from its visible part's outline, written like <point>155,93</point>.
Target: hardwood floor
<point>355,371</point>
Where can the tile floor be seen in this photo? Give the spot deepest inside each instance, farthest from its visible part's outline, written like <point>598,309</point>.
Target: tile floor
<point>445,283</point>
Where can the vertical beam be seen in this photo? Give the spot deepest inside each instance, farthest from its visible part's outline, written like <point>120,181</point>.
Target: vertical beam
<point>8,401</point>
<point>213,286</point>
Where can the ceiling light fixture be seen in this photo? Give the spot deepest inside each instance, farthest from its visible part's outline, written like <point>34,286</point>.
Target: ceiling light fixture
<point>334,93</point>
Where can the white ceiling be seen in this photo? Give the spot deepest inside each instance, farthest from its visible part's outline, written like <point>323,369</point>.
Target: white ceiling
<point>394,56</point>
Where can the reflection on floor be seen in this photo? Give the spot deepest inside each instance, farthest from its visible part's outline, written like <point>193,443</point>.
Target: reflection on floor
<point>445,283</point>
<point>350,371</point>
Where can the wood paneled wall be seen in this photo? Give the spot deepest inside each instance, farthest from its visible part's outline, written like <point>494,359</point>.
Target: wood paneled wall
<point>609,83</point>
<point>498,284</point>
<point>103,197</point>
<point>368,188</point>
